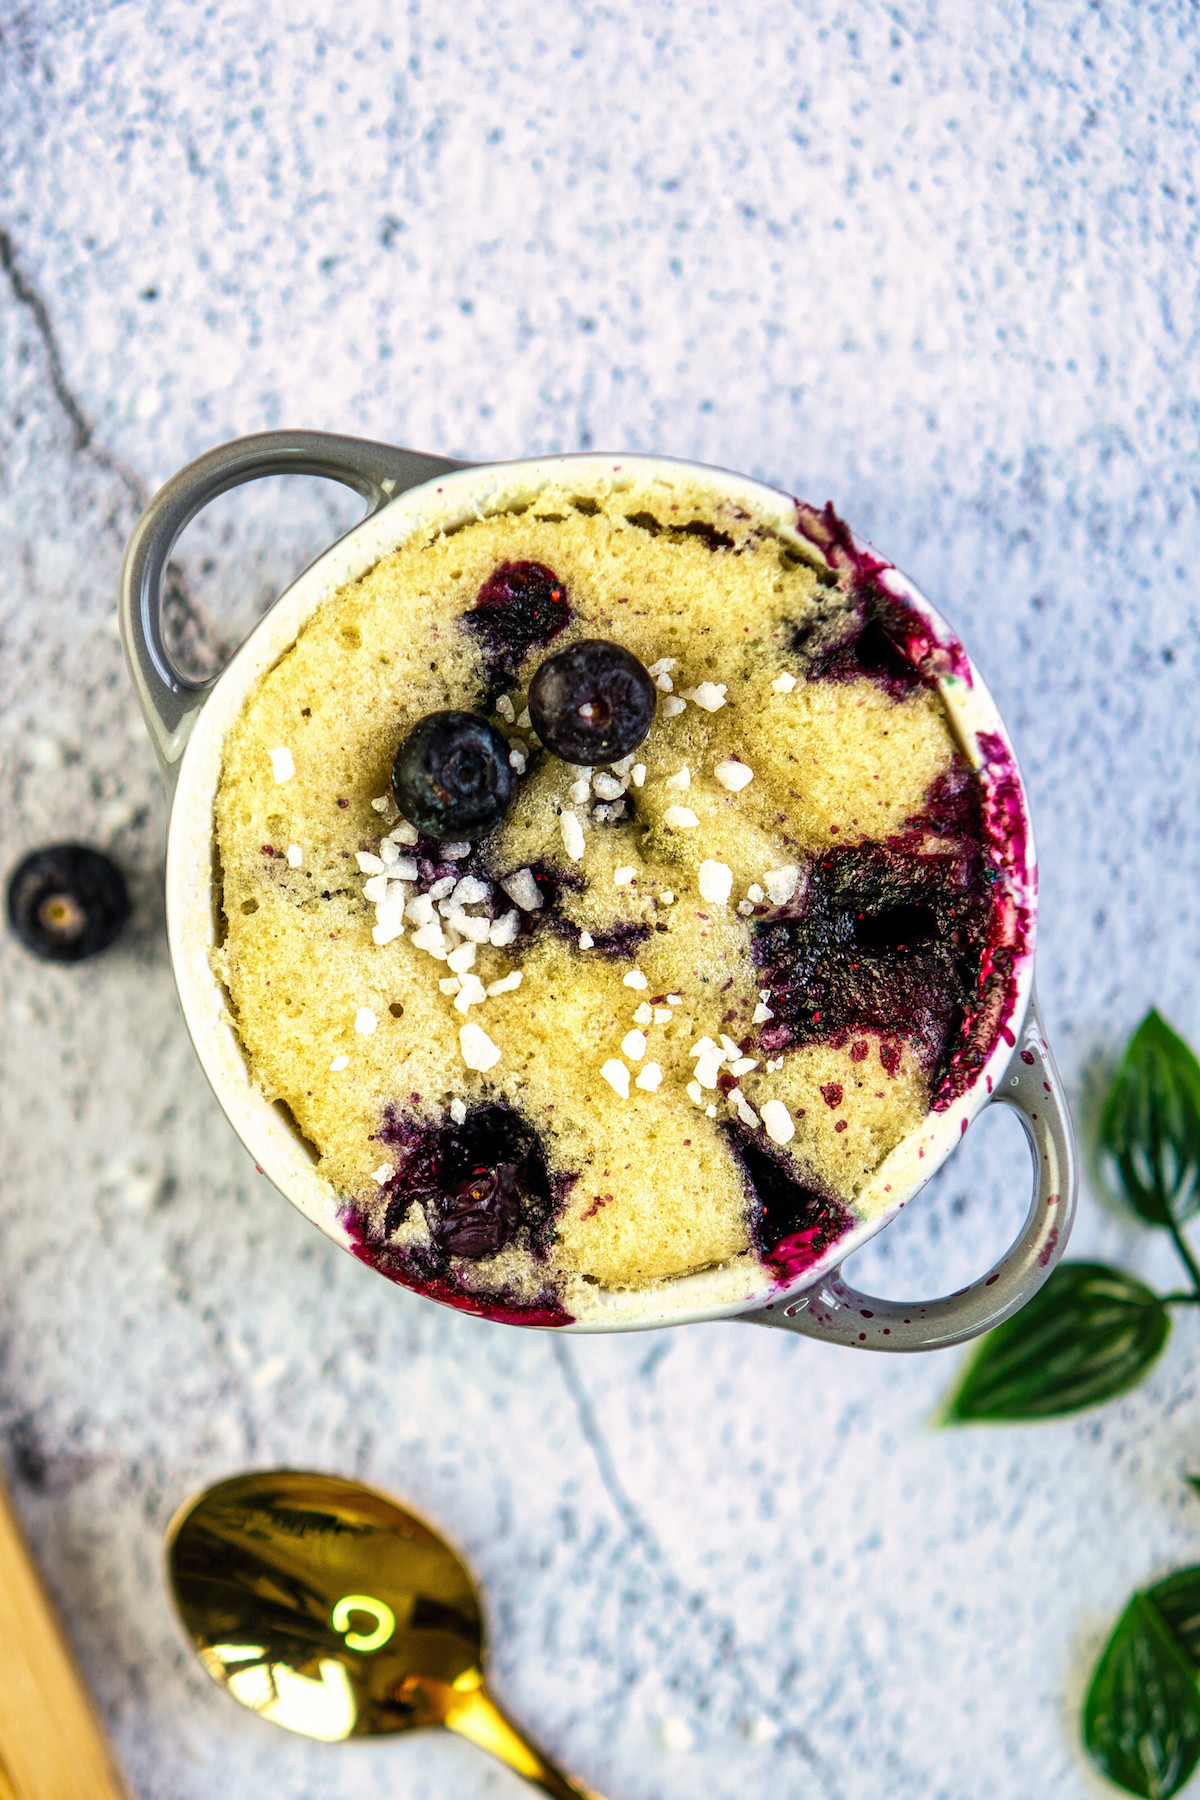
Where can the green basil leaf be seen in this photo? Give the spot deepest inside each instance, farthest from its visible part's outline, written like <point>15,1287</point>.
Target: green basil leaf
<point>1141,1720</point>
<point>1090,1332</point>
<point>1150,1126</point>
<point>1178,1600</point>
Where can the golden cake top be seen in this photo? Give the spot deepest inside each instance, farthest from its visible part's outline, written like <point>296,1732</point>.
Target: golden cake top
<point>670,1012</point>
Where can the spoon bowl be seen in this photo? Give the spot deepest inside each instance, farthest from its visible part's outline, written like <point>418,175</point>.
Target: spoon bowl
<point>330,1610</point>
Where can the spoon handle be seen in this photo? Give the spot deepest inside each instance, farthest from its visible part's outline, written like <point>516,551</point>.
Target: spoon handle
<point>474,1714</point>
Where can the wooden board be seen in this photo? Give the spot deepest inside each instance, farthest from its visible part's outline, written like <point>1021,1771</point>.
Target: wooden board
<point>51,1745</point>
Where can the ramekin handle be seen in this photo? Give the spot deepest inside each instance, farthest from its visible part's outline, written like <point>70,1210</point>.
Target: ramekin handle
<point>836,1312</point>
<point>169,701</point>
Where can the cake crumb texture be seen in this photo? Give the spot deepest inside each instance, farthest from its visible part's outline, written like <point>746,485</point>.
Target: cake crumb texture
<point>648,1188</point>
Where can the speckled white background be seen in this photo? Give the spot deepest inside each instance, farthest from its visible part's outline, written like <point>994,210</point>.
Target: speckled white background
<point>934,261</point>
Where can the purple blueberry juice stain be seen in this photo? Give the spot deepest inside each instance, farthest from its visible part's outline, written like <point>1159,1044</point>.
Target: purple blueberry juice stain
<point>482,1185</point>
<point>869,648</point>
<point>887,637</point>
<point>520,606</point>
<point>890,938</point>
<point>619,941</point>
<point>833,538</point>
<point>793,1226</point>
<point>477,1182</point>
<point>1009,924</point>
<point>546,1310</point>
<point>433,865</point>
<point>918,938</point>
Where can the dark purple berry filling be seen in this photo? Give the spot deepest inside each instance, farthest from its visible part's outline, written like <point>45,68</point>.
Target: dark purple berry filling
<point>888,937</point>
<point>869,648</point>
<point>482,1185</point>
<point>476,1181</point>
<point>883,636</point>
<point>793,1226</point>
<point>433,865</point>
<point>519,606</point>
<point>503,1308</point>
<point>1012,888</point>
<point>969,917</point>
<point>621,941</point>
<point>479,1214</point>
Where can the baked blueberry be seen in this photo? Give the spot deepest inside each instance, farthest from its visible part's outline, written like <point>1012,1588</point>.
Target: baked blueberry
<point>480,1214</point>
<point>477,1182</point>
<point>592,702</point>
<point>452,777</point>
<point>67,902</point>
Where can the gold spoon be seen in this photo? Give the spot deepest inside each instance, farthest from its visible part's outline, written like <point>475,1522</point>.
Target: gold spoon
<point>325,1607</point>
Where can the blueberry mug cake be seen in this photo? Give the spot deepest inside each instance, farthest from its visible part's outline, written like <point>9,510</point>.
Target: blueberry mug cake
<point>608,892</point>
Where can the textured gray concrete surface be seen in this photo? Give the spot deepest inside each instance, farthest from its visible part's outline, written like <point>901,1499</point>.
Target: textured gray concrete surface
<point>936,262</point>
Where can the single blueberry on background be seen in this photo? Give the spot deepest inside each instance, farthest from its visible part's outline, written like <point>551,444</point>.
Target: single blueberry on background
<point>592,702</point>
<point>67,902</point>
<point>452,777</point>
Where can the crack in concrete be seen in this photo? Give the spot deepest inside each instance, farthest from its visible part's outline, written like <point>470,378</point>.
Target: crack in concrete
<point>590,1426</point>
<point>189,635</point>
<point>85,437</point>
<point>718,1630</point>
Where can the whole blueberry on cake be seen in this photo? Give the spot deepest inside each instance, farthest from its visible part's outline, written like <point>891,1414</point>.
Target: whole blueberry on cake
<point>607,894</point>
